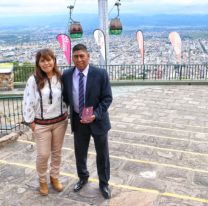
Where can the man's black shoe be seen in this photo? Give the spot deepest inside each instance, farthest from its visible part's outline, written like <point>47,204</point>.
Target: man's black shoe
<point>105,192</point>
<point>80,184</point>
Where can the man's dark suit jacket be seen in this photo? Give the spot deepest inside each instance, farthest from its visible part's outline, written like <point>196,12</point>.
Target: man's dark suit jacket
<point>98,94</point>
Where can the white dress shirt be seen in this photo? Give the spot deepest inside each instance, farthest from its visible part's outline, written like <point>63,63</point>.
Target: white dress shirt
<point>75,88</point>
<point>31,100</point>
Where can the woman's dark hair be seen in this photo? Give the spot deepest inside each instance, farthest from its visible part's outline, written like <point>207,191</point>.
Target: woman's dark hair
<point>39,73</point>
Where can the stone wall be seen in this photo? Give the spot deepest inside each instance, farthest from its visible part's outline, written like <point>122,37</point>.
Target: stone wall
<point>6,81</point>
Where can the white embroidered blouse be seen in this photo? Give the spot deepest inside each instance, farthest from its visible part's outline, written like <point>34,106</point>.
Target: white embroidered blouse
<point>31,100</point>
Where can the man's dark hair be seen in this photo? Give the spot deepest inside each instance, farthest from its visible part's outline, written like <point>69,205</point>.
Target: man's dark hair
<point>78,47</point>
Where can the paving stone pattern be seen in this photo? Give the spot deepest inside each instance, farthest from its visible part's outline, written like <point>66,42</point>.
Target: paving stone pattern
<point>158,148</point>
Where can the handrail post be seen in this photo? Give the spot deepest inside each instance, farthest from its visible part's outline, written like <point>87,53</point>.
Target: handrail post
<point>180,74</point>
<point>143,76</point>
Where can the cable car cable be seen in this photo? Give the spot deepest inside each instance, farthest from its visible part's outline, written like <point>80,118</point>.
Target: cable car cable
<point>111,10</point>
<point>118,1</point>
<point>74,2</point>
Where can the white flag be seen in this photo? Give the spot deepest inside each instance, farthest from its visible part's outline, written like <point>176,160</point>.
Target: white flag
<point>175,40</point>
<point>140,40</point>
<point>100,40</point>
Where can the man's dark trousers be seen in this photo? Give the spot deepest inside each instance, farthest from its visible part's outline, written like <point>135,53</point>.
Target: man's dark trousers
<point>82,136</point>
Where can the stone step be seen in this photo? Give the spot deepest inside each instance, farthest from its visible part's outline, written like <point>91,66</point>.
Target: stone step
<point>137,120</point>
<point>135,140</point>
<point>168,116</point>
<point>160,131</point>
<point>166,142</point>
<point>146,154</point>
<point>166,148</point>
<point>136,175</point>
<point>132,153</point>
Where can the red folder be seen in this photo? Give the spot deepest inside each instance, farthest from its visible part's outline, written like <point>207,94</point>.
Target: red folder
<point>87,112</point>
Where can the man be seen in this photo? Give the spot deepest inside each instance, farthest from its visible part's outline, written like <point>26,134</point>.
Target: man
<point>88,86</point>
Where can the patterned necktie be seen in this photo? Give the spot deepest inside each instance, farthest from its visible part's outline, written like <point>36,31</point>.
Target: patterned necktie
<point>81,93</point>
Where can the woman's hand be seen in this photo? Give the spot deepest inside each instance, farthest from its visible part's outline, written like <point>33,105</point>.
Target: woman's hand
<point>32,126</point>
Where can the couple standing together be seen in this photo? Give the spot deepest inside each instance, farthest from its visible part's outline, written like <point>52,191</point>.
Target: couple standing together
<point>47,96</point>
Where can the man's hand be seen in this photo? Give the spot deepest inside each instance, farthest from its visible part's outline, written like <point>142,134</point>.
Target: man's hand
<point>88,120</point>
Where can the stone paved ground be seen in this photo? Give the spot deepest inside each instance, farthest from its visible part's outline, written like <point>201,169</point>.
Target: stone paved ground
<point>158,149</point>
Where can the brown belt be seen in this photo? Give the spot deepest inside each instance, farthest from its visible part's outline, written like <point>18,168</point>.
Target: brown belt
<point>51,121</point>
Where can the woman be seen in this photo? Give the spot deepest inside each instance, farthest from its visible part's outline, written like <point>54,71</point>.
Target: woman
<point>46,114</point>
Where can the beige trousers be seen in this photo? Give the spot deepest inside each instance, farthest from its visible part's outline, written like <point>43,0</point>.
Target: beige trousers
<point>49,141</point>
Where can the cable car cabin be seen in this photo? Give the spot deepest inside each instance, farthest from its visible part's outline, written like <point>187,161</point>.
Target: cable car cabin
<point>75,30</point>
<point>115,27</point>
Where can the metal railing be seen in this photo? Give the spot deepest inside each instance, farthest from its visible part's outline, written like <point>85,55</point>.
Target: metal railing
<point>158,72</point>
<point>11,114</point>
<point>11,107</point>
<point>137,72</point>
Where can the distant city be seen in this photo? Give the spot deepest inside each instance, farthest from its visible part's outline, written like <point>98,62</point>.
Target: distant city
<point>20,44</point>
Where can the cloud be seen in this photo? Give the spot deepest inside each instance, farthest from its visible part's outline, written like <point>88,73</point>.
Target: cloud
<point>184,2</point>
<point>27,7</point>
<point>9,5</point>
<point>142,7</point>
<point>151,7</point>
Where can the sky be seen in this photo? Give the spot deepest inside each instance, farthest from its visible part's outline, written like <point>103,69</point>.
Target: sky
<point>140,7</point>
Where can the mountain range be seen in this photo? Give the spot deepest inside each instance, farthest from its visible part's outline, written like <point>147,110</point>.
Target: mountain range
<point>91,21</point>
